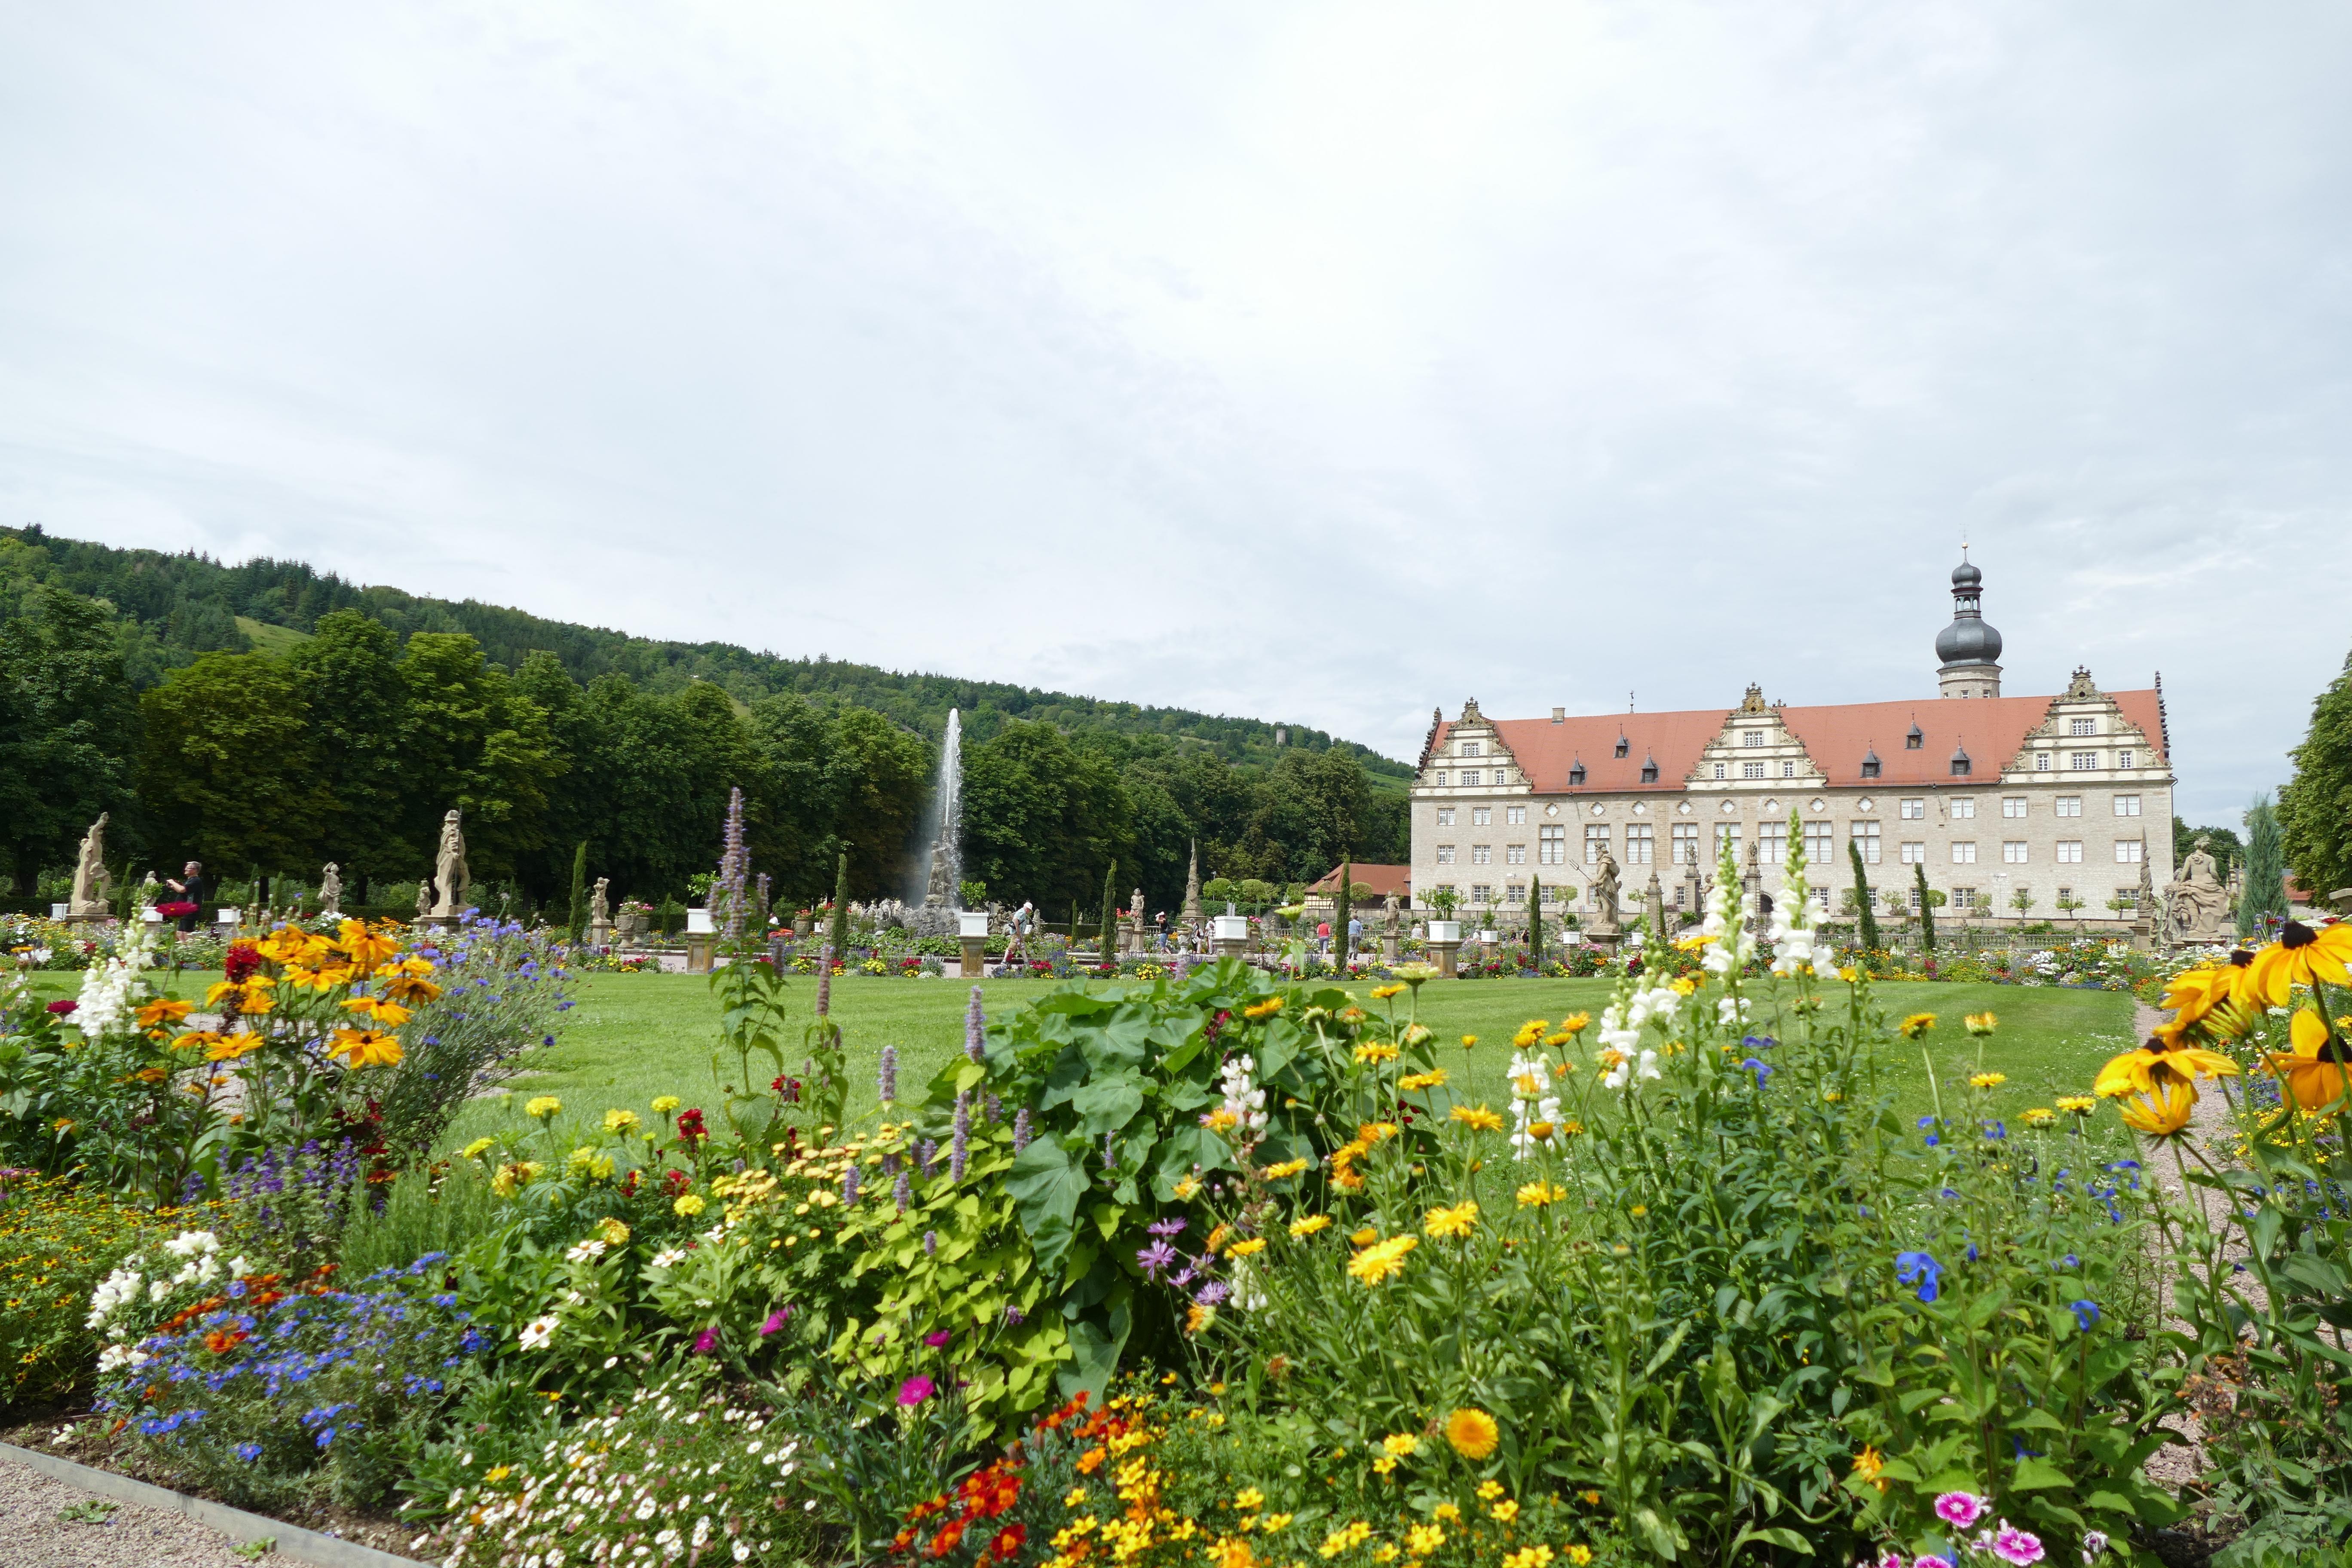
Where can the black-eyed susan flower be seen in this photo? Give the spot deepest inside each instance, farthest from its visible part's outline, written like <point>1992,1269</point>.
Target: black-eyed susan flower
<point>2317,1070</point>
<point>2300,956</point>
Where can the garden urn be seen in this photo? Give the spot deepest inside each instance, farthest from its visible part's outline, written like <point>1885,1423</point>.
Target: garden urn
<point>1231,933</point>
<point>971,931</point>
<point>1444,943</point>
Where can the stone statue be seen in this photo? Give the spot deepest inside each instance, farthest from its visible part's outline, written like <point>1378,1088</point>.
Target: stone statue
<point>425,897</point>
<point>330,890</point>
<point>1604,894</point>
<point>2196,902</point>
<point>1390,914</point>
<point>939,891</point>
<point>91,885</point>
<point>449,872</point>
<point>599,912</point>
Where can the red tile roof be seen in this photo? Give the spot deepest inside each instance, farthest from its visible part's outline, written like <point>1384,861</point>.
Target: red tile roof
<point>1991,730</point>
<point>1382,880</point>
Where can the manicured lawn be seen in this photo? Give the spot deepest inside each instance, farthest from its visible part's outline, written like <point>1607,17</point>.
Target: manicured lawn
<point>632,1036</point>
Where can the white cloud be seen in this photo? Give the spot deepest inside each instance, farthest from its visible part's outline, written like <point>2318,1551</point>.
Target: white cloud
<point>1318,362</point>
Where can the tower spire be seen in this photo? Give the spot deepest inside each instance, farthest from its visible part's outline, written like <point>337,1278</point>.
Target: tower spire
<point>1969,650</point>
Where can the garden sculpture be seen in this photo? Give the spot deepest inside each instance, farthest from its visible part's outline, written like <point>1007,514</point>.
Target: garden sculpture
<point>91,883</point>
<point>425,897</point>
<point>449,870</point>
<point>1604,895</point>
<point>330,890</point>
<point>599,911</point>
<point>2196,900</point>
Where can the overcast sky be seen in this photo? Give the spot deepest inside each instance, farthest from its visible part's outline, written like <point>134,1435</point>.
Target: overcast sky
<point>1316,363</point>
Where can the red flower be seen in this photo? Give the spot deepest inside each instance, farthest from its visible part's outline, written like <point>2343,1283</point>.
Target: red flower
<point>243,959</point>
<point>1008,1544</point>
<point>689,1126</point>
<point>177,909</point>
<point>63,1005</point>
<point>674,1183</point>
<point>945,1542</point>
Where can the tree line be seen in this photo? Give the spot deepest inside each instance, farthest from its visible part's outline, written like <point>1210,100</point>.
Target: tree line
<point>350,743</point>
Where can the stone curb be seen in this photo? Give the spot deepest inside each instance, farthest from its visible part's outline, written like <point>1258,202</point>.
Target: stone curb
<point>292,1541</point>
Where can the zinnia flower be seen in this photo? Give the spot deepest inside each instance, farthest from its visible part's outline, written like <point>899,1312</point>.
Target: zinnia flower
<point>1473,1432</point>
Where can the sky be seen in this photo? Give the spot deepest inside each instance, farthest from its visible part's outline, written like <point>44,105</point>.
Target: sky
<point>1320,363</point>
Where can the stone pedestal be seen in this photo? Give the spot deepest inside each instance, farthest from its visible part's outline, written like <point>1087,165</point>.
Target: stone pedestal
<point>700,947</point>
<point>1232,947</point>
<point>975,957</point>
<point>1444,954</point>
<point>600,933</point>
<point>1391,948</point>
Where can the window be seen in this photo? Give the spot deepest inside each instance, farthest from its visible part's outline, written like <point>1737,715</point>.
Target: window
<point>2128,897</point>
<point>2127,806</point>
<point>2081,761</point>
<point>1482,817</point>
<point>2123,759</point>
<point>2128,851</point>
<point>1751,770</point>
<point>1912,892</point>
<point>1685,843</point>
<point>1596,842</point>
<point>1788,769</point>
<point>1772,841</point>
<point>2082,726</point>
<point>1470,776</point>
<point>1445,854</point>
<point>2070,805</point>
<point>1870,767</point>
<point>1727,834</point>
<point>1914,809</point>
<point>1649,772</point>
<point>1515,814</point>
<point>2012,851</point>
<point>1865,839</point>
<point>2012,806</point>
<point>2041,762</point>
<point>1444,817</point>
<point>1515,892</point>
<point>1964,852</point>
<point>1915,740</point>
<point>1515,854</point>
<point>1719,770</point>
<point>1751,737</point>
<point>1481,893</point>
<point>1961,766</point>
<point>1576,775</point>
<point>2070,851</point>
<point>1964,805</point>
<point>2065,897</point>
<point>1622,744</point>
<point>1818,846</point>
<point>1551,894</point>
<point>1964,898</point>
<point>1553,846</point>
<point>1641,843</point>
<point>1471,749</point>
<point>1482,854</point>
<point>1821,900</point>
<point>1441,776</point>
<point>1913,853</point>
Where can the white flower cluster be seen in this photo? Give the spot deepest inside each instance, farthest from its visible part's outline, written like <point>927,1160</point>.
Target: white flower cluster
<point>1792,929</point>
<point>1732,946</point>
<point>111,991</point>
<point>1531,1100</point>
<point>153,1280</point>
<point>1244,1102</point>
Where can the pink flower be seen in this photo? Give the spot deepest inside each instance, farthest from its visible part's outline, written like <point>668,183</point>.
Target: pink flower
<point>1931,1561</point>
<point>706,1342</point>
<point>1960,1510</point>
<point>2015,1545</point>
<point>776,1320</point>
<point>914,1390</point>
<point>63,1005</point>
<point>937,1338</point>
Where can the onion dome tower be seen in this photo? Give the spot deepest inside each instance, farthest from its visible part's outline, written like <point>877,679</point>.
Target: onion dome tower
<point>1968,650</point>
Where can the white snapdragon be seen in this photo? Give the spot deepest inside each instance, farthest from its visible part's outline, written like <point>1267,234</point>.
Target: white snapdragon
<point>1244,1101</point>
<point>1631,1068</point>
<point>1732,1012</point>
<point>1530,1078</point>
<point>116,1290</point>
<point>109,1002</point>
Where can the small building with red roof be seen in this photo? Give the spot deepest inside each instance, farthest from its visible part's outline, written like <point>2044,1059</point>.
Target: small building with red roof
<point>2051,807</point>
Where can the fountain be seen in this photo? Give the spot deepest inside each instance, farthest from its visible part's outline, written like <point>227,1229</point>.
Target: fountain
<point>942,873</point>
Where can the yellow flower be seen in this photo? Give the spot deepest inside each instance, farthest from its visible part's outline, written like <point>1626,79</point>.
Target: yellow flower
<point>1381,1260</point>
<point>163,1010</point>
<point>1376,1051</point>
<point>1506,1511</point>
<point>510,1177</point>
<point>1385,1465</point>
<point>622,1121</point>
<point>590,1162</point>
<point>1401,1445</point>
<point>2162,1110</point>
<point>1265,1009</point>
<point>1250,1249</point>
<point>1530,1032</point>
<point>365,1048</point>
<point>1469,1042</point>
<point>392,1014</point>
<point>496,1473</point>
<point>1981,1023</point>
<point>1575,1024</point>
<point>1421,1540</point>
<point>1988,1081</point>
<point>1868,1463</point>
<point>1849,973</point>
<point>1536,1194</point>
<point>2076,1104</point>
<point>689,1206</point>
<point>542,1106</point>
<point>1473,1432</point>
<point>1249,1500</point>
<point>2040,1116</point>
<point>1446,1513</point>
<point>2314,1071</point>
<point>1186,1189</point>
<point>1440,1224</point>
<point>1304,1228</point>
<point>1579,1555</point>
<point>2141,1070</point>
<point>1383,993</point>
<point>228,1048</point>
<point>1288,1169</point>
<point>1412,1083</point>
<point>1197,1317</point>
<point>663,1104</point>
<point>1916,1024</point>
<point>476,1149</point>
<point>405,982</point>
<point>1217,1238</point>
<point>2300,956</point>
<point>1480,1119</point>
<point>1416,1034</point>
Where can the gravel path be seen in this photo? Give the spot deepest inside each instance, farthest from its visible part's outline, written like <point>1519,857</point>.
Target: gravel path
<point>32,1536</point>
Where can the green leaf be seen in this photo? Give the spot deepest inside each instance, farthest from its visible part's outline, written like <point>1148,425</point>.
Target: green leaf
<point>2037,1420</point>
<point>2032,1474</point>
<point>1047,1187</point>
<point>1108,1104</point>
<point>1120,1042</point>
<point>1787,1540</point>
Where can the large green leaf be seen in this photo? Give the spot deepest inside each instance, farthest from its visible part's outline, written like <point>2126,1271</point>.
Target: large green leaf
<point>1108,1104</point>
<point>1047,1185</point>
<point>1122,1042</point>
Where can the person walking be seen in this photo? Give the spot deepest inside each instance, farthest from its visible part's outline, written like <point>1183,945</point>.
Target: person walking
<point>192,889</point>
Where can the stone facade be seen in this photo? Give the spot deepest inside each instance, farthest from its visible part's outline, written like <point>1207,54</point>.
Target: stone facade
<point>2068,795</point>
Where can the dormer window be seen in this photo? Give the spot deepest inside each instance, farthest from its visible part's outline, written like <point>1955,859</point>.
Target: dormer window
<point>1870,763</point>
<point>1623,746</point>
<point>1960,762</point>
<point>1649,770</point>
<point>1915,740</point>
<point>1576,775</point>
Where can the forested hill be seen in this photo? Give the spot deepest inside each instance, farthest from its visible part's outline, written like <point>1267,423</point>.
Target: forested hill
<point>180,606</point>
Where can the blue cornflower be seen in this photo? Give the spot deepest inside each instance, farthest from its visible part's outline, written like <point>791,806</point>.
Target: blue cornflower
<point>1756,1065</point>
<point>1759,1042</point>
<point>1995,1131</point>
<point>1921,1267</point>
<point>1932,1141</point>
<point>2086,1313</point>
<point>1926,1122</point>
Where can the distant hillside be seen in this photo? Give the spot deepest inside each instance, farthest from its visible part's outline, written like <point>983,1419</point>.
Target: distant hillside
<point>188,604</point>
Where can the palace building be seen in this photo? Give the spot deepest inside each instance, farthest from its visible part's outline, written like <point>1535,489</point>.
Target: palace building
<point>2044,807</point>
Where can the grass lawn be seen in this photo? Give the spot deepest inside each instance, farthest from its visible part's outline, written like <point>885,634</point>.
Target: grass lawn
<point>632,1036</point>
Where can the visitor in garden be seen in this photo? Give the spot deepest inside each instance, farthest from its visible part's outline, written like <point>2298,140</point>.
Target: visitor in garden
<point>192,889</point>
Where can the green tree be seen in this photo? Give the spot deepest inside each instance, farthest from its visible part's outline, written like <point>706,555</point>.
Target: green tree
<point>1926,910</point>
<point>881,777</point>
<point>579,921</point>
<point>1111,914</point>
<point>1534,921</point>
<point>473,742</point>
<point>2265,898</point>
<point>1038,815</point>
<point>229,773</point>
<point>1861,897</point>
<point>69,728</point>
<point>2224,843</point>
<point>349,675</point>
<point>2314,809</point>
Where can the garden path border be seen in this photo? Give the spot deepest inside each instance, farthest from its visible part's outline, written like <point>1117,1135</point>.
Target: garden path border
<point>292,1541</point>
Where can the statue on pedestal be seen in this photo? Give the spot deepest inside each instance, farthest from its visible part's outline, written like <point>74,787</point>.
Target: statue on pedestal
<point>2195,901</point>
<point>600,914</point>
<point>449,872</point>
<point>331,889</point>
<point>1391,927</point>
<point>425,897</point>
<point>91,884</point>
<point>1604,897</point>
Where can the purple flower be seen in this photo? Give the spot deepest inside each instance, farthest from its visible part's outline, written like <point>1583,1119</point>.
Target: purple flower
<point>1960,1510</point>
<point>914,1390</point>
<point>887,1081</point>
<point>2086,1313</point>
<point>1922,1266</point>
<point>706,1342</point>
<point>1021,1133</point>
<point>2012,1544</point>
<point>849,1185</point>
<point>1155,1257</point>
<point>1013,1315</point>
<point>776,1320</point>
<point>994,1107</point>
<point>961,1152</point>
<point>2094,1541</point>
<point>925,1153</point>
<point>902,1192</point>
<point>937,1338</point>
<point>1759,1068</point>
<point>1212,1294</point>
<point>931,1243</point>
<point>975,1028</point>
<point>824,980</point>
<point>1167,1228</point>
<point>734,867</point>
